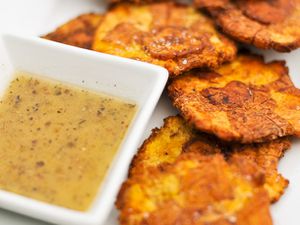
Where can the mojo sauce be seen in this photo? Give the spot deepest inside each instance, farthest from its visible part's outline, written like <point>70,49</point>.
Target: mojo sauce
<point>57,141</point>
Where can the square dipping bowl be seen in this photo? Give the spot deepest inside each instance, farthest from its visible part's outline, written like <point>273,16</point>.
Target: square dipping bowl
<point>139,82</point>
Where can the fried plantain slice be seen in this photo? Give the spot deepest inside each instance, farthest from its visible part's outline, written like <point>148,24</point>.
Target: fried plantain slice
<point>245,101</point>
<point>77,32</point>
<point>174,36</point>
<point>195,189</point>
<point>175,137</point>
<point>266,24</point>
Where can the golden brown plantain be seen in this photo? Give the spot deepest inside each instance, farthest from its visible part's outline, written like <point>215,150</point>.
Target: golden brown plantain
<point>271,24</point>
<point>175,137</point>
<point>77,32</point>
<point>177,37</point>
<point>163,146</point>
<point>245,101</point>
<point>195,190</point>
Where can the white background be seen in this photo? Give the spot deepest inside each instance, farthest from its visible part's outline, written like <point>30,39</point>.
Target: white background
<point>37,17</point>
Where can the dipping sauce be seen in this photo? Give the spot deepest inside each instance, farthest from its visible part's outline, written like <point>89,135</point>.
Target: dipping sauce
<point>57,141</point>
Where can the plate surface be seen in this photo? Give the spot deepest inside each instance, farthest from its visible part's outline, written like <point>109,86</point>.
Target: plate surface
<point>37,17</point>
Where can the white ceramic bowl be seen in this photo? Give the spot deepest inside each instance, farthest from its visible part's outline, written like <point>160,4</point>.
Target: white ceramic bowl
<point>139,82</point>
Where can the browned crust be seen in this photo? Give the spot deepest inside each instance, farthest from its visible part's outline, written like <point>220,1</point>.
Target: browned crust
<point>238,103</point>
<point>172,135</point>
<point>171,35</point>
<point>176,137</point>
<point>78,31</point>
<point>264,155</point>
<point>267,25</point>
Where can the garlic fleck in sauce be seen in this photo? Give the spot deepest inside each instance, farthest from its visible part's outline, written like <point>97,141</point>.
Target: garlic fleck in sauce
<point>57,141</point>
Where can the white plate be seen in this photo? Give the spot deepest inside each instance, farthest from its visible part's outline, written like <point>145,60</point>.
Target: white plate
<point>39,16</point>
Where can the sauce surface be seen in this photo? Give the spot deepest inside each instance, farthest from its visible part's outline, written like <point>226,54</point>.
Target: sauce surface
<point>57,141</point>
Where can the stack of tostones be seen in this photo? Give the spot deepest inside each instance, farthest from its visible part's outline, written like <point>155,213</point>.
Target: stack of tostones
<point>174,36</point>
<point>271,24</point>
<point>216,164</point>
<point>245,101</point>
<point>182,175</point>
